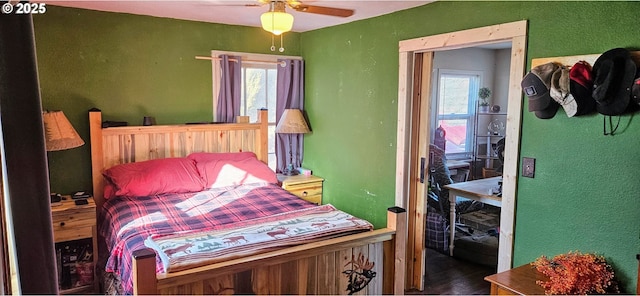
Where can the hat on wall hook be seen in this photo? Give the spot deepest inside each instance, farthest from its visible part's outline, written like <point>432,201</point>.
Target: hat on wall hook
<point>613,76</point>
<point>635,89</point>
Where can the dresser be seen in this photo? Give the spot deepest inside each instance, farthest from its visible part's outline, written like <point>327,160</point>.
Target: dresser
<point>74,232</point>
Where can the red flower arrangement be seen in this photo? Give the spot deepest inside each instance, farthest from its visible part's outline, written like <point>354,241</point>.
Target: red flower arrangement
<point>575,273</point>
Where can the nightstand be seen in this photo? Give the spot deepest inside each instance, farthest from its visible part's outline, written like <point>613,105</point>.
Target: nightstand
<point>74,232</point>
<point>308,188</point>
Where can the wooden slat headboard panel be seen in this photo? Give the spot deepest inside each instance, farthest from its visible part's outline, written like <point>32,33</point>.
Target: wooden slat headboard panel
<point>117,145</point>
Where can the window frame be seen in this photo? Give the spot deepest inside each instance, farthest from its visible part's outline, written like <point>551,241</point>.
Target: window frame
<point>471,108</point>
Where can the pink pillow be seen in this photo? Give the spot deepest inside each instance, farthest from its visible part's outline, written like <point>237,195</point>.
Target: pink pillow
<point>109,190</point>
<point>212,156</point>
<point>155,176</point>
<point>223,173</point>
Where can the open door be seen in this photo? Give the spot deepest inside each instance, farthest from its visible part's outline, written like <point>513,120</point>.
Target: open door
<point>415,68</point>
<point>419,173</point>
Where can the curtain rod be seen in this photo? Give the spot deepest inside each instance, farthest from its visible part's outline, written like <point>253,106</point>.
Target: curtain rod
<point>282,64</point>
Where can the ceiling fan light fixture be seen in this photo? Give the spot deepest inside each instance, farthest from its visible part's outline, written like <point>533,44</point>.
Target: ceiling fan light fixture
<point>276,20</point>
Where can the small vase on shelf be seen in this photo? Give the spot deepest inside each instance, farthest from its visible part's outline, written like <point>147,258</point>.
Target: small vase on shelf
<point>483,94</point>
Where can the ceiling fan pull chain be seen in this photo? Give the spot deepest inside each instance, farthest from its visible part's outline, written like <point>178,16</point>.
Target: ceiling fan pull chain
<point>273,25</point>
<point>281,46</point>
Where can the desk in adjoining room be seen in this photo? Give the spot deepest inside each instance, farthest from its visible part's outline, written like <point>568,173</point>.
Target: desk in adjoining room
<point>480,190</point>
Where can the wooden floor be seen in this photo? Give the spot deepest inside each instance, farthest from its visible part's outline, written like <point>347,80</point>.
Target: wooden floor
<point>450,276</point>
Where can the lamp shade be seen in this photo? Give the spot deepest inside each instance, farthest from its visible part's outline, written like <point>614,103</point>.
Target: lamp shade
<point>276,20</point>
<point>59,133</point>
<point>292,122</point>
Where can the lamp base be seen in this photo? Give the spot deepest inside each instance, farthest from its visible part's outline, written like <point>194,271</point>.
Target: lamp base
<point>289,172</point>
<point>55,197</point>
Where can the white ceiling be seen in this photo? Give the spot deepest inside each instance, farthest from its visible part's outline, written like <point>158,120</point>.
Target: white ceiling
<point>235,12</point>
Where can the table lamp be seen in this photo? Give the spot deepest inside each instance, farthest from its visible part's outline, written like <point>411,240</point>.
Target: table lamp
<point>59,135</point>
<point>291,122</point>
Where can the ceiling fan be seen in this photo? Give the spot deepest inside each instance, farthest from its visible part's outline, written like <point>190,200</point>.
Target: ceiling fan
<point>277,21</point>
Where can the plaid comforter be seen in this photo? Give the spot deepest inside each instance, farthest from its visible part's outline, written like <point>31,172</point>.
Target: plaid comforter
<point>128,221</point>
<point>185,250</point>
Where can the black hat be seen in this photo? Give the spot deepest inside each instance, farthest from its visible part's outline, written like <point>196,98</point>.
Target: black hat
<point>536,85</point>
<point>581,85</point>
<point>613,72</point>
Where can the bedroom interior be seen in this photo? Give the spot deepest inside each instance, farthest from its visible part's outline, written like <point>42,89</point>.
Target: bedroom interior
<point>569,204</point>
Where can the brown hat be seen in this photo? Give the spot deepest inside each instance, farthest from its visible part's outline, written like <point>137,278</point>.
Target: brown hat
<point>560,91</point>
<point>536,85</point>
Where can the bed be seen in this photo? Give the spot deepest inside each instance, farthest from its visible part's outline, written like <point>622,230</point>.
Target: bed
<point>252,250</point>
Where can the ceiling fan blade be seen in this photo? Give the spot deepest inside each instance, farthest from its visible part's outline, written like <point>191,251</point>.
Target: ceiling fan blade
<point>341,12</point>
<point>259,4</point>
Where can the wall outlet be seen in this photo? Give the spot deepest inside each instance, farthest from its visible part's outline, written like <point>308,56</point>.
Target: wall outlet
<point>528,167</point>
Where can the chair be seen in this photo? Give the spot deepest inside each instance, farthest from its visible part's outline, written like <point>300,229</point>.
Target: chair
<point>439,176</point>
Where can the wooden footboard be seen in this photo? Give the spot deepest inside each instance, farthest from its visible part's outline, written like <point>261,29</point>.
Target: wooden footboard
<point>365,263</point>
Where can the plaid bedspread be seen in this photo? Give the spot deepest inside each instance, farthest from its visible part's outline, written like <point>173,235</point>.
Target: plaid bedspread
<point>128,221</point>
<point>189,249</point>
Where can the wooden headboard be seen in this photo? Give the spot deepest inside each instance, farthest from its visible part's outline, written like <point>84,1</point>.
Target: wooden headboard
<point>117,145</point>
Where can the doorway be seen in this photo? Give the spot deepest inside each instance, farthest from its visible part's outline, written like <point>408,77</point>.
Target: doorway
<point>414,106</point>
<point>467,132</point>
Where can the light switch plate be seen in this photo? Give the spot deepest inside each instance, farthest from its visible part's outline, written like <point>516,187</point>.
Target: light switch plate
<point>528,167</point>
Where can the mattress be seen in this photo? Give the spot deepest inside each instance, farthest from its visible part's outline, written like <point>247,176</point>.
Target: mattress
<point>125,222</point>
<point>220,214</point>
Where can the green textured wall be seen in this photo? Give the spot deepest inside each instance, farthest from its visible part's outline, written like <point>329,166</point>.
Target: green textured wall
<point>586,192</point>
<point>129,66</point>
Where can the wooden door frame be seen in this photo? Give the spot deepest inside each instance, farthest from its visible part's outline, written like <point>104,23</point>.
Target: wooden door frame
<point>410,193</point>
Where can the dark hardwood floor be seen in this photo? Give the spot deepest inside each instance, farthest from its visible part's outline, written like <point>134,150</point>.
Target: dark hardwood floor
<point>450,276</point>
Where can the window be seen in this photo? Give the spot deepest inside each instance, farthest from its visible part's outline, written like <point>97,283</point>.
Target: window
<point>457,94</point>
<point>259,91</point>
<point>259,80</point>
